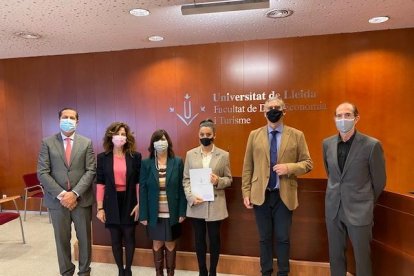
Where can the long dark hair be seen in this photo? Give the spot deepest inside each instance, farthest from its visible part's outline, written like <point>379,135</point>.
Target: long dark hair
<point>157,135</point>
<point>112,130</point>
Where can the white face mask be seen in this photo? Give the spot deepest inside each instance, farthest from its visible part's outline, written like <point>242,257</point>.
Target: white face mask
<point>344,125</point>
<point>119,140</point>
<point>161,145</point>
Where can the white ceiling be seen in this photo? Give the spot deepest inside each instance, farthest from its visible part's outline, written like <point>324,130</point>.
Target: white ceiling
<point>82,26</point>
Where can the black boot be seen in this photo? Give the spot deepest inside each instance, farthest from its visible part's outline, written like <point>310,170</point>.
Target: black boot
<point>121,272</point>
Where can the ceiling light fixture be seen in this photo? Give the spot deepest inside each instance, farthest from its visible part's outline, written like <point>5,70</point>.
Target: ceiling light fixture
<point>278,13</point>
<point>224,6</point>
<point>155,38</point>
<point>28,35</point>
<point>139,12</point>
<point>379,19</point>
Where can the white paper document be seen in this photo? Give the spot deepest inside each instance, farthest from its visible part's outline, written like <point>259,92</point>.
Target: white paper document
<point>201,185</point>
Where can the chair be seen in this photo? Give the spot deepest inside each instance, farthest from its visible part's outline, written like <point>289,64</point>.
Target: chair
<point>6,217</point>
<point>33,190</point>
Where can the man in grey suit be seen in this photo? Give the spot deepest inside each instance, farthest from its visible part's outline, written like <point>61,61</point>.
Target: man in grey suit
<point>355,166</point>
<point>66,168</point>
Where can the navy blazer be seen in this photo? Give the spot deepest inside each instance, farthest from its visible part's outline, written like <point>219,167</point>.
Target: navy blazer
<point>149,191</point>
<point>105,176</point>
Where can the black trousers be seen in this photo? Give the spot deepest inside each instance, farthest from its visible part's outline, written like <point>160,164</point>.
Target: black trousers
<point>274,221</point>
<point>213,229</point>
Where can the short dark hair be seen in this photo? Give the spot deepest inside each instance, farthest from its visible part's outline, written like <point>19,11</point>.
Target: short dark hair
<point>112,130</point>
<point>208,123</point>
<point>69,108</point>
<point>356,112</point>
<point>157,135</point>
<point>354,107</point>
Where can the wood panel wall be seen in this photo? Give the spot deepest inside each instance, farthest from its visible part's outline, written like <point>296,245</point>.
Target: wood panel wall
<point>372,69</point>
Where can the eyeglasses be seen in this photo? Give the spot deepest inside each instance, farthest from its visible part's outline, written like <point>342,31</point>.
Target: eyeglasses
<point>345,116</point>
<point>273,107</point>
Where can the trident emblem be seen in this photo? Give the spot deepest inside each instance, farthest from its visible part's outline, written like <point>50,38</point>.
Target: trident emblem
<point>187,117</point>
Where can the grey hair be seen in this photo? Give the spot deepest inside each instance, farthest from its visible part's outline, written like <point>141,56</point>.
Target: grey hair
<point>278,99</point>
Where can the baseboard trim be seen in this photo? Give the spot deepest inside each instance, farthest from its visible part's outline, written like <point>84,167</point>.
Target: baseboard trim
<point>229,264</point>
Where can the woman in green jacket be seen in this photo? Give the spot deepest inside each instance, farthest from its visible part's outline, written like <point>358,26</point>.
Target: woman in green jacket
<point>162,199</point>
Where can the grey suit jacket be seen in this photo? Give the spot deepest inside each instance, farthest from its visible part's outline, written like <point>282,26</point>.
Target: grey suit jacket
<point>220,165</point>
<point>53,171</point>
<point>360,184</point>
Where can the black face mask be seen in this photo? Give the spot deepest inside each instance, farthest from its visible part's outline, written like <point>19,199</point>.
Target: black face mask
<point>206,141</point>
<point>274,115</point>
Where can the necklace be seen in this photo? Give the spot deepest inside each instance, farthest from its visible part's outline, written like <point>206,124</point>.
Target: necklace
<point>159,164</point>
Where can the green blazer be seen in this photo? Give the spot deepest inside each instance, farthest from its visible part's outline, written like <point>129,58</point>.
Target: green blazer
<point>149,191</point>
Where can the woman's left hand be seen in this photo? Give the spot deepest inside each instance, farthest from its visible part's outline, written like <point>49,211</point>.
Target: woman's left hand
<point>135,212</point>
<point>214,179</point>
<point>181,219</point>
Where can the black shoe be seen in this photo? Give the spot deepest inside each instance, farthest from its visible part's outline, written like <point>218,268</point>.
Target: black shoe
<point>203,273</point>
<point>128,272</point>
<point>121,272</point>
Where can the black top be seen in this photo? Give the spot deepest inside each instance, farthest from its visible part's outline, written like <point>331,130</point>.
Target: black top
<point>343,150</point>
<point>105,176</point>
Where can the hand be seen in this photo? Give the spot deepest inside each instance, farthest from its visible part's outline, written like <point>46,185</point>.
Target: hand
<point>73,206</point>
<point>197,200</point>
<point>281,169</point>
<point>101,215</point>
<point>135,212</point>
<point>247,203</point>
<point>69,200</point>
<point>144,222</point>
<point>214,179</point>
<point>181,219</point>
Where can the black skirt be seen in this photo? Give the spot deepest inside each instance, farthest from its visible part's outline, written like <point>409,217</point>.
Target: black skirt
<point>163,231</point>
<point>121,208</point>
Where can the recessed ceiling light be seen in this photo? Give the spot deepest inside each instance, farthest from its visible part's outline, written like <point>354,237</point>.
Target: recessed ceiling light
<point>379,19</point>
<point>139,12</point>
<point>28,35</point>
<point>155,38</point>
<point>278,13</point>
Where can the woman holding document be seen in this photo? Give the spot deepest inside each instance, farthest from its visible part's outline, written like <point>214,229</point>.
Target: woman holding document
<point>162,200</point>
<point>207,207</point>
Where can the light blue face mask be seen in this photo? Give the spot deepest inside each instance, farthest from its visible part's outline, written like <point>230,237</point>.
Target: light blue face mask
<point>344,125</point>
<point>67,125</point>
